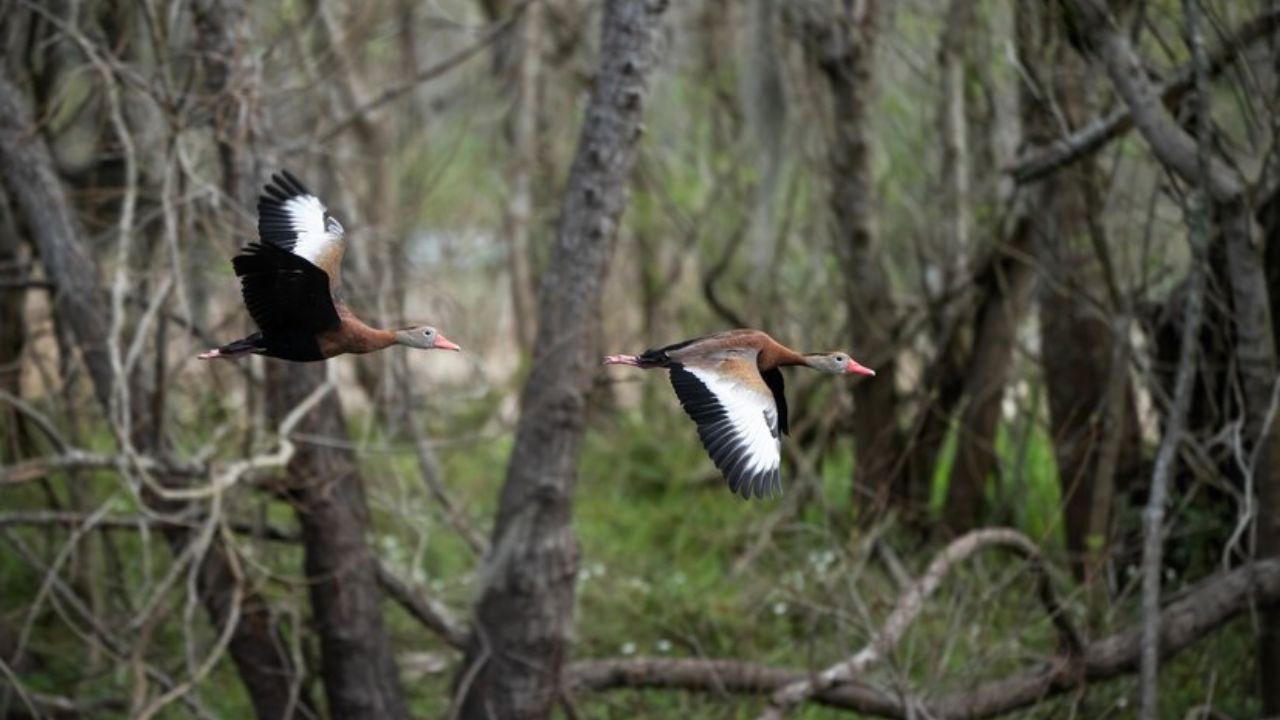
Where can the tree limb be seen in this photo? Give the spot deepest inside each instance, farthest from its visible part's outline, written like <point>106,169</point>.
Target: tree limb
<point>424,75</point>
<point>1200,611</point>
<point>1172,145</point>
<point>73,520</point>
<point>909,605</point>
<point>426,610</point>
<point>1095,135</point>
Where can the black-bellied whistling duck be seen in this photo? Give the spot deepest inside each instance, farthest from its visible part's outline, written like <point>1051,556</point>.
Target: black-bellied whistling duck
<point>290,285</point>
<point>731,386</point>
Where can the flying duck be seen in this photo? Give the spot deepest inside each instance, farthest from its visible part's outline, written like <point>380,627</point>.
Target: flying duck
<point>731,386</point>
<point>290,283</point>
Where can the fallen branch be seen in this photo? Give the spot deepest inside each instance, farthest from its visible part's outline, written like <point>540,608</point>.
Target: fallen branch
<point>909,605</point>
<point>1201,610</point>
<point>723,677</point>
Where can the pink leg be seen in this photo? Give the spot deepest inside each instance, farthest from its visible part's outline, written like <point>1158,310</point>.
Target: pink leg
<point>210,354</point>
<point>630,360</point>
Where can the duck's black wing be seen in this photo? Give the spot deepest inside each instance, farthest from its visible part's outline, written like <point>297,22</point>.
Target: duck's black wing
<point>284,293</point>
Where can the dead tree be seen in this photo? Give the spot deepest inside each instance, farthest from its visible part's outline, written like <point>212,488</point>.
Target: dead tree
<point>525,611</point>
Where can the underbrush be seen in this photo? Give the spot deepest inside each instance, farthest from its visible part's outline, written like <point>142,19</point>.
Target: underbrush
<point>662,575</point>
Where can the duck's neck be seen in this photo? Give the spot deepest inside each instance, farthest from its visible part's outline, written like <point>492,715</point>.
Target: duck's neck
<point>380,339</point>
<point>365,338</point>
<point>775,354</point>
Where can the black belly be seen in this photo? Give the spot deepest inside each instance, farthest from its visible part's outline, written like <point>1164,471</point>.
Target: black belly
<point>298,348</point>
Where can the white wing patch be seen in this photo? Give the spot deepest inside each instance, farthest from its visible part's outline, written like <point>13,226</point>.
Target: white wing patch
<point>292,218</point>
<point>307,217</point>
<point>738,427</point>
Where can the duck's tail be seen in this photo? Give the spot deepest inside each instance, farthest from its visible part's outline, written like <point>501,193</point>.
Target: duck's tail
<point>645,360</point>
<point>243,346</point>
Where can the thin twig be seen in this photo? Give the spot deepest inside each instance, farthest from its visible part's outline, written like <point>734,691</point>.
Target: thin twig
<point>424,75</point>
<point>1153,516</point>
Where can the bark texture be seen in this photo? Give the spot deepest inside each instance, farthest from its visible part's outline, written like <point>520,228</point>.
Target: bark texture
<point>525,610</point>
<point>356,664</point>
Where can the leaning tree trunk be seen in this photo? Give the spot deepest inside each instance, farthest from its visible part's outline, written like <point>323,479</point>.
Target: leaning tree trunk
<point>522,621</point>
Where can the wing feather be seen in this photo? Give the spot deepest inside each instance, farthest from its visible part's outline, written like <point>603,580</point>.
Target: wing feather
<point>737,424</point>
<point>292,218</point>
<point>283,292</point>
<point>773,378</point>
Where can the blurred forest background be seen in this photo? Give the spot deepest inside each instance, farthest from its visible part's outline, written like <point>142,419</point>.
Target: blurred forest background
<point>1052,227</point>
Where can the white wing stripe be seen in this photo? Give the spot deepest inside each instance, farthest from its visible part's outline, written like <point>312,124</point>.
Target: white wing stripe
<point>306,216</point>
<point>746,412</point>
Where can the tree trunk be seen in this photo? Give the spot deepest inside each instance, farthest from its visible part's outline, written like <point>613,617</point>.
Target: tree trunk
<point>841,44</point>
<point>525,611</point>
<point>323,481</point>
<point>13,334</point>
<point>953,127</point>
<point>38,197</point>
<point>1091,413</point>
<point>1267,477</point>
<point>1006,290</point>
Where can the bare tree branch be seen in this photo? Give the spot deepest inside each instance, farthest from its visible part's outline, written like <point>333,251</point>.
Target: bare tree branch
<point>425,609</point>
<point>1202,610</point>
<point>1095,135</point>
<point>72,520</point>
<point>426,74</point>
<point>909,605</point>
